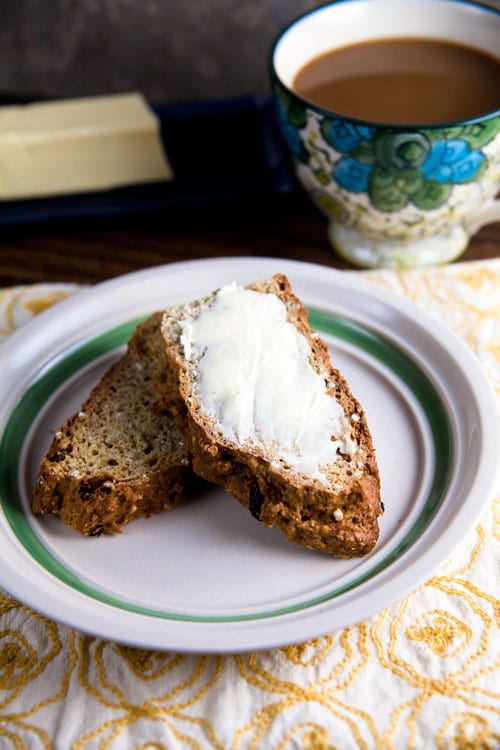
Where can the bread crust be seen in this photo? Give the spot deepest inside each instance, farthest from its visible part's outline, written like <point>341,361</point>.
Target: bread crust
<point>339,518</point>
<point>90,496</point>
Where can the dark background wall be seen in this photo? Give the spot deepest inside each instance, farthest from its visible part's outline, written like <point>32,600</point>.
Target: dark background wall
<point>168,49</point>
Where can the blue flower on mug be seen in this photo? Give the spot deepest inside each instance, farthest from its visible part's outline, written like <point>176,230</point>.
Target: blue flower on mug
<point>396,168</point>
<point>345,135</point>
<point>292,118</point>
<point>290,133</point>
<point>452,161</point>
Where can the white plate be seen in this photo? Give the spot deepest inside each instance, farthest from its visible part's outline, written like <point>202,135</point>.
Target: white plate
<point>208,577</point>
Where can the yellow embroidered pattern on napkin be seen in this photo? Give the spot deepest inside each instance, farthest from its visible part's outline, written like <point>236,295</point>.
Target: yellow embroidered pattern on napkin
<point>424,673</point>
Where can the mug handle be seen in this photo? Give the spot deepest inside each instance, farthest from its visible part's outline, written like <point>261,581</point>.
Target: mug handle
<point>486,215</point>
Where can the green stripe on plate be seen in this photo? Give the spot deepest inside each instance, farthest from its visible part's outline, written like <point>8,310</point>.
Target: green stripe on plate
<point>72,361</point>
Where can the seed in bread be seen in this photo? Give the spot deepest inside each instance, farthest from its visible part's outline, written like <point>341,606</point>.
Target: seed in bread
<point>117,459</point>
<point>264,413</point>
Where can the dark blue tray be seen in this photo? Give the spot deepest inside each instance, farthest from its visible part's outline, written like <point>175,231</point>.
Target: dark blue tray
<point>220,151</point>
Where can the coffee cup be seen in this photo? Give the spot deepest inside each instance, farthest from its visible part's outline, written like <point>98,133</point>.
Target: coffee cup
<point>403,182</point>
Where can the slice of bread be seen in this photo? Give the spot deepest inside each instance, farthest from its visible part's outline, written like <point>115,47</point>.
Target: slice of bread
<point>330,507</point>
<point>119,458</point>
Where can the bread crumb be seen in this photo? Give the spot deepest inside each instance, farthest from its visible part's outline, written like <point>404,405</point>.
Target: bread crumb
<point>338,515</point>
<point>349,447</point>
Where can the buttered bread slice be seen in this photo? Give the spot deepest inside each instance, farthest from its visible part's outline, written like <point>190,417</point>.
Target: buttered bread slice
<point>117,459</point>
<point>264,413</point>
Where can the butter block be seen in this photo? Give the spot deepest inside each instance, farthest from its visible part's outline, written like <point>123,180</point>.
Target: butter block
<point>79,145</point>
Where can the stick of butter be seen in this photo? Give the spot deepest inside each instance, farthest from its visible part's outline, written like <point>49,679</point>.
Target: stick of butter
<point>79,145</point>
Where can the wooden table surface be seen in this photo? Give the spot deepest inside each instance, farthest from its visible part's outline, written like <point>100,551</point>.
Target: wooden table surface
<point>90,250</point>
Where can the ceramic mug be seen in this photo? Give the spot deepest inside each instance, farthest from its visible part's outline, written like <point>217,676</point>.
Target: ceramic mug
<point>395,195</point>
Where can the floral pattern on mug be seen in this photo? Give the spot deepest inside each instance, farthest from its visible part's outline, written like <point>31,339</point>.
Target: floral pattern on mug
<point>394,168</point>
<point>292,118</point>
<point>398,167</point>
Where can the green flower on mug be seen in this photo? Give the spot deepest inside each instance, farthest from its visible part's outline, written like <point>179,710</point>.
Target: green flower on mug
<point>397,168</point>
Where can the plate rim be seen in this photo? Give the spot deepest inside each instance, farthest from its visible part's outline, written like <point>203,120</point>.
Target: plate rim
<point>404,307</point>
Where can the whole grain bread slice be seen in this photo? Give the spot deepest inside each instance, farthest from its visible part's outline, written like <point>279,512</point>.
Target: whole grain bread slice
<point>336,513</point>
<point>119,458</point>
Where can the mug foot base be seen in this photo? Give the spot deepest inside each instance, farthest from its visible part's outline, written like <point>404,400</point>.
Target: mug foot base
<point>369,252</point>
